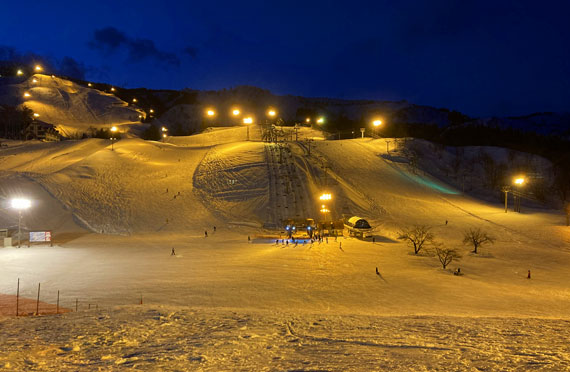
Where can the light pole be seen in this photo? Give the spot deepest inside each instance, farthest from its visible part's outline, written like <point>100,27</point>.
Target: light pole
<point>20,204</point>
<point>376,124</point>
<point>113,131</point>
<point>519,181</point>
<point>325,197</point>
<point>164,130</point>
<point>247,121</point>
<point>506,190</point>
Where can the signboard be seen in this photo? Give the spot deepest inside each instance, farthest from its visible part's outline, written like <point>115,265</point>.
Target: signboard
<point>40,236</point>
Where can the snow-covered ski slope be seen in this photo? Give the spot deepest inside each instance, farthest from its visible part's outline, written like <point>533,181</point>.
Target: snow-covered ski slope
<point>72,108</point>
<point>232,305</point>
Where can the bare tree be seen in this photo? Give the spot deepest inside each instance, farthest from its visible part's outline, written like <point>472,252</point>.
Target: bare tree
<point>477,238</point>
<point>416,236</point>
<point>446,255</point>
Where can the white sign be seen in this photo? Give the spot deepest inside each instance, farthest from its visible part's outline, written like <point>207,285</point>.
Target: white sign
<point>40,236</point>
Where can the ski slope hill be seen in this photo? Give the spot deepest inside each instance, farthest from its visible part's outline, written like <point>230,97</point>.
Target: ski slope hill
<point>125,190</point>
<point>241,299</point>
<point>72,108</point>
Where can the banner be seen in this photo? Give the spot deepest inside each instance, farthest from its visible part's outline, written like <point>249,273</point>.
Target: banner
<point>40,236</point>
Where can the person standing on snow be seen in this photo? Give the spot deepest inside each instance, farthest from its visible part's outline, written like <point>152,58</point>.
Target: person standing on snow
<point>173,253</point>
<point>206,234</point>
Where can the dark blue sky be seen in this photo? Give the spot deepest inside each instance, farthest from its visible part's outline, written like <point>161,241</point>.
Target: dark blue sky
<point>479,57</point>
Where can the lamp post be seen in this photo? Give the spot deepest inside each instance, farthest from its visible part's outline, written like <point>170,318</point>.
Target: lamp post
<point>325,197</point>
<point>376,124</point>
<point>164,130</point>
<point>519,181</point>
<point>506,190</point>
<point>20,204</point>
<point>113,131</point>
<point>247,121</point>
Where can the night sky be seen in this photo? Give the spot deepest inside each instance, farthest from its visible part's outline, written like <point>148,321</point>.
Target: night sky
<point>474,56</point>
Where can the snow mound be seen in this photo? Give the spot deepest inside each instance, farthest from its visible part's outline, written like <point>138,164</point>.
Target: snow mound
<point>72,108</point>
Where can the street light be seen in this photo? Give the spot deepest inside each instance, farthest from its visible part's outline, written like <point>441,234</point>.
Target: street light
<point>19,72</point>
<point>320,120</point>
<point>248,120</point>
<point>164,130</point>
<point>113,130</point>
<point>324,210</point>
<point>325,196</point>
<point>308,120</point>
<point>271,113</point>
<point>236,112</point>
<point>38,68</point>
<point>34,80</point>
<point>27,95</point>
<point>36,115</point>
<point>376,123</point>
<point>20,204</point>
<point>519,182</point>
<point>210,113</point>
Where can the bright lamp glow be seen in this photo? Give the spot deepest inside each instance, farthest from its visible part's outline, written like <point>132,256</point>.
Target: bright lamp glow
<point>112,89</point>
<point>248,120</point>
<point>27,95</point>
<point>377,123</point>
<point>36,115</point>
<point>210,112</point>
<point>519,180</point>
<point>325,196</point>
<point>20,72</point>
<point>151,111</point>
<point>308,120</point>
<point>134,100</point>
<point>34,80</point>
<point>164,129</point>
<point>113,129</point>
<point>38,68</point>
<point>320,120</point>
<point>235,112</point>
<point>271,113</point>
<point>20,203</point>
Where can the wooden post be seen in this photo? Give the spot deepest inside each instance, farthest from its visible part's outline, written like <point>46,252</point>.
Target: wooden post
<point>76,303</point>
<point>57,306</point>
<point>18,297</point>
<point>38,301</point>
<point>141,300</point>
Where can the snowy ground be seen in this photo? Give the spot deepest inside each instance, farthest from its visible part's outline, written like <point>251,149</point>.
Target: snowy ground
<point>224,304</point>
<point>181,339</point>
